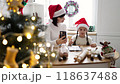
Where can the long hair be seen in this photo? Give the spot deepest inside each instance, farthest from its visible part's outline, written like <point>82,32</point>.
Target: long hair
<point>55,19</point>
<point>86,39</point>
<point>75,38</point>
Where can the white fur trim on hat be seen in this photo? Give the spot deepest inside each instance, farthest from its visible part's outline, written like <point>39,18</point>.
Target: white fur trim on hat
<point>82,25</point>
<point>59,13</point>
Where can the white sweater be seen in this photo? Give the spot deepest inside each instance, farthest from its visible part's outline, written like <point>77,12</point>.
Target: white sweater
<point>52,32</point>
<point>81,41</point>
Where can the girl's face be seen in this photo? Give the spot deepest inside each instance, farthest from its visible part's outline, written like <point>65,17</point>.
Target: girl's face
<point>60,19</point>
<point>82,31</point>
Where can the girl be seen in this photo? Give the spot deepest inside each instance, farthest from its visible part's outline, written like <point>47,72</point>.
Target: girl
<point>56,13</point>
<point>82,37</point>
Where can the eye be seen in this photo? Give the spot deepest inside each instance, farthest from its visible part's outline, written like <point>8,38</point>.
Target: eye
<point>84,29</point>
<point>80,29</point>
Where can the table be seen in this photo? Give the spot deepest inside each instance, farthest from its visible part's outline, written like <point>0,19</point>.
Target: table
<point>87,63</point>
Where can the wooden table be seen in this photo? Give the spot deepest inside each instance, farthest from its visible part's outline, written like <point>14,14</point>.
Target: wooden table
<point>87,63</point>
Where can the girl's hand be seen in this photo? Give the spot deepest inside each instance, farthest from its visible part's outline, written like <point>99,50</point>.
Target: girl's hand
<point>61,40</point>
<point>70,42</point>
<point>93,45</point>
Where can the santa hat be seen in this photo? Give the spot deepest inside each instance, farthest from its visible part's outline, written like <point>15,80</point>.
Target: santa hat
<point>55,11</point>
<point>82,23</point>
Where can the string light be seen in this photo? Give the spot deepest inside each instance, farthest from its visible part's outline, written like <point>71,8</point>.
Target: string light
<point>47,44</point>
<point>26,19</point>
<point>34,44</point>
<point>19,48</point>
<point>33,18</point>
<point>18,13</point>
<point>32,27</point>
<point>2,18</point>
<point>5,42</point>
<point>8,3</point>
<point>28,36</point>
<point>4,67</point>
<point>37,57</point>
<point>11,0</point>
<point>46,55</point>
<point>44,51</point>
<point>24,65</point>
<point>37,62</point>
<point>19,38</point>
<point>41,66</point>
<point>13,46</point>
<point>40,45</point>
<point>27,48</point>
<point>53,54</point>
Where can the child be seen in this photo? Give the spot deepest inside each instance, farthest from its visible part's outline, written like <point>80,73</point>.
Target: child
<point>56,13</point>
<point>82,37</point>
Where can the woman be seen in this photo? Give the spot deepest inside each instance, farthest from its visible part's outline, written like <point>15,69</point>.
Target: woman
<point>56,13</point>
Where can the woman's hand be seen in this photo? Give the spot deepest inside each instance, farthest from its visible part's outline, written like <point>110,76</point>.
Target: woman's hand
<point>70,42</point>
<point>61,40</point>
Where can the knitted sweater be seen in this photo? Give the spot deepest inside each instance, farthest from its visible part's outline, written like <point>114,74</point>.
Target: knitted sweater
<point>52,32</point>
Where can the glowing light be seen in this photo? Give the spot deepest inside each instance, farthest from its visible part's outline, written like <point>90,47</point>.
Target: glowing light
<point>27,48</point>
<point>37,62</point>
<point>28,36</point>
<point>5,42</point>
<point>24,65</point>
<point>37,57</point>
<point>46,55</point>
<point>53,54</point>
<point>48,44</point>
<point>2,18</point>
<point>4,67</point>
<point>41,66</point>
<point>19,38</point>
<point>14,10</point>
<point>11,0</point>
<point>34,44</point>
<point>41,49</point>
<point>26,19</point>
<point>13,46</point>
<point>18,13</point>
<point>44,51</point>
<point>0,14</point>
<point>40,45</point>
<point>19,48</point>
<point>33,18</point>
<point>32,27</point>
<point>8,3</point>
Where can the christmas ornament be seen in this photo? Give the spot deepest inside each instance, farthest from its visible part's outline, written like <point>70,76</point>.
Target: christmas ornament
<point>24,2</point>
<point>71,8</point>
<point>14,5</point>
<point>107,51</point>
<point>9,61</point>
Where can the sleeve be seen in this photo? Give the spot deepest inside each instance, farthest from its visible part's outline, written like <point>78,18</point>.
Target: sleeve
<point>73,38</point>
<point>48,36</point>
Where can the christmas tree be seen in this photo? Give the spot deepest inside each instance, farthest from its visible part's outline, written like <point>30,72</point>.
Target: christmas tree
<point>22,42</point>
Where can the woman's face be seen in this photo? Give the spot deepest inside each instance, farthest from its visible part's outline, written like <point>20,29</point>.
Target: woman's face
<point>82,31</point>
<point>60,19</point>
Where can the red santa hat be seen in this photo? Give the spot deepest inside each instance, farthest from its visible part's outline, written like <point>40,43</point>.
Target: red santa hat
<point>82,23</point>
<point>55,11</point>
